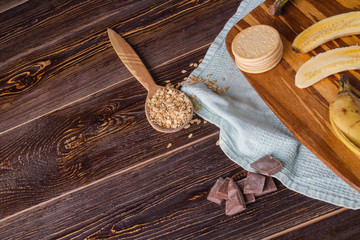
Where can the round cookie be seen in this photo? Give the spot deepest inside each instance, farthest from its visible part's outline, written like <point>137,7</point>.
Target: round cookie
<point>256,42</point>
<point>257,49</point>
<point>267,61</point>
<point>259,69</point>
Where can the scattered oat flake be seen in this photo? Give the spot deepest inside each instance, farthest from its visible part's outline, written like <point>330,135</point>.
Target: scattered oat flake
<point>191,64</point>
<point>200,60</point>
<point>195,64</point>
<point>217,142</point>
<point>169,145</point>
<point>167,81</point>
<point>187,126</point>
<point>190,135</point>
<point>205,121</point>
<point>224,89</point>
<point>209,75</point>
<point>183,71</point>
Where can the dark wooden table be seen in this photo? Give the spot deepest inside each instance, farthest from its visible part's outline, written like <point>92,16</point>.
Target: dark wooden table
<point>78,158</point>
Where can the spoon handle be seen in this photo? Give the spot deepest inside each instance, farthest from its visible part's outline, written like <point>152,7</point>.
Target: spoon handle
<point>131,60</point>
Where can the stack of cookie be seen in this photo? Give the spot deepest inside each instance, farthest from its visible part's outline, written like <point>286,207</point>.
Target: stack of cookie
<point>257,49</point>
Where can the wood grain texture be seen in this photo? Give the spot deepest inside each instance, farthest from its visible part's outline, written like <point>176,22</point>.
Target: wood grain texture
<point>71,56</point>
<point>78,158</point>
<point>127,206</point>
<point>344,225</point>
<point>10,4</point>
<point>305,111</point>
<point>85,141</point>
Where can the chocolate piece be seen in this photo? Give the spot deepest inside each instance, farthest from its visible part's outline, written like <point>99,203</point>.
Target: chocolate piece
<point>212,194</point>
<point>222,192</point>
<point>236,202</point>
<point>254,183</point>
<point>267,165</point>
<point>268,187</point>
<point>249,198</point>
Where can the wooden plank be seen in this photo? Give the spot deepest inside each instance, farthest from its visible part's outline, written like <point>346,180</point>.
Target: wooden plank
<point>163,198</point>
<point>98,135</point>
<point>305,111</point>
<point>78,60</point>
<point>9,4</point>
<point>52,21</point>
<point>344,225</point>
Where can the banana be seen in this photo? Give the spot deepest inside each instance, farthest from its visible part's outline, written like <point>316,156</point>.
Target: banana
<point>344,139</point>
<point>344,115</point>
<point>327,29</point>
<point>327,63</point>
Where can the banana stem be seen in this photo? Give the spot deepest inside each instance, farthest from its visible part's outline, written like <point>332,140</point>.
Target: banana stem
<point>344,85</point>
<point>275,8</point>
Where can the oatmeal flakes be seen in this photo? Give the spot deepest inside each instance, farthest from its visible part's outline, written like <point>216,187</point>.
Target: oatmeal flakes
<point>169,108</point>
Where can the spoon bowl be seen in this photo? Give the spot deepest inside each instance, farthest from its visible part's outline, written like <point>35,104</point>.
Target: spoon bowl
<point>134,64</point>
<point>158,127</point>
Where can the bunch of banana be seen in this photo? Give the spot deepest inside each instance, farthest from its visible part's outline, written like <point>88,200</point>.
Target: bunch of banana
<point>344,114</point>
<point>344,109</point>
<point>327,29</point>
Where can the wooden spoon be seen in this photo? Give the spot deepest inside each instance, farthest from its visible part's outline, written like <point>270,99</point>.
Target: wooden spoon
<point>134,64</point>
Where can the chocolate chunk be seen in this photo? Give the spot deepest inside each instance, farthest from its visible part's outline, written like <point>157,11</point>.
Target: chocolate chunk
<point>249,198</point>
<point>222,192</point>
<point>212,194</point>
<point>236,202</point>
<point>267,165</point>
<point>254,183</point>
<point>268,187</point>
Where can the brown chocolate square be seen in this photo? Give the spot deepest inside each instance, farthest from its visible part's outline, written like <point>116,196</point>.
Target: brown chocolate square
<point>254,183</point>
<point>268,187</point>
<point>267,165</point>
<point>250,197</point>
<point>212,194</point>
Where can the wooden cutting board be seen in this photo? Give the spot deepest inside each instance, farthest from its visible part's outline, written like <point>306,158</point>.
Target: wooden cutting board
<point>305,111</point>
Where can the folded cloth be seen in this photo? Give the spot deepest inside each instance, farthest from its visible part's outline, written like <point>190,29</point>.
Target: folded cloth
<point>250,130</point>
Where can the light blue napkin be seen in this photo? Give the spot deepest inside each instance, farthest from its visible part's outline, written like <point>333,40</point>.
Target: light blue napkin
<point>250,130</point>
